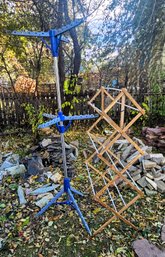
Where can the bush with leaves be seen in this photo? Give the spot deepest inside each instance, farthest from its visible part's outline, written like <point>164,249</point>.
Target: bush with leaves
<point>35,117</point>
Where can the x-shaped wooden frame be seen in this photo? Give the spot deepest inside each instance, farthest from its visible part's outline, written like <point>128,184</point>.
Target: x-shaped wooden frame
<point>107,144</point>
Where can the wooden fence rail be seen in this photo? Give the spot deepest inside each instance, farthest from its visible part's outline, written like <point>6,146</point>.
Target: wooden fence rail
<point>12,111</point>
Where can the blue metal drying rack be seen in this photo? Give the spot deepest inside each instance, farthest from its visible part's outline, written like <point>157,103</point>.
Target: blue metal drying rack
<point>55,36</point>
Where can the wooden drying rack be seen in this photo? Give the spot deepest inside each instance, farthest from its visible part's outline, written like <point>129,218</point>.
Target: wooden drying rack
<point>105,147</point>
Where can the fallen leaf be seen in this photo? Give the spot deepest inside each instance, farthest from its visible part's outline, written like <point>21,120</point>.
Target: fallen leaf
<point>40,255</point>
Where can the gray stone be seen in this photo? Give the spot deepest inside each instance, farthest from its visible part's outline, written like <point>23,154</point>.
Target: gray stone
<point>72,157</point>
<point>75,143</point>
<point>46,142</point>
<point>158,167</point>
<point>146,156</point>
<point>144,249</point>
<point>143,166</point>
<point>149,164</point>
<point>149,149</point>
<point>144,148</point>
<point>122,147</point>
<point>148,175</point>
<point>44,189</point>
<point>138,141</point>
<point>152,183</point>
<point>16,170</point>
<point>149,187</point>
<point>121,141</point>
<point>156,173</point>
<point>127,152</point>
<point>163,162</point>
<point>43,201</point>
<point>156,157</point>
<point>142,182</point>
<point>67,146</point>
<point>137,177</point>
<point>150,192</point>
<point>161,177</point>
<point>1,243</point>
<point>137,172</point>
<point>160,186</point>
<point>131,169</point>
<point>163,233</point>
<point>75,150</point>
<point>21,195</point>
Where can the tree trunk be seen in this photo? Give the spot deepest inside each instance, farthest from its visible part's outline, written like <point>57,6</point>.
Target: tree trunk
<point>8,72</point>
<point>76,58</point>
<point>61,55</point>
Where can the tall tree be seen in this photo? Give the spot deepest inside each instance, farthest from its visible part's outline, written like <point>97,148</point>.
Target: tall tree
<point>132,30</point>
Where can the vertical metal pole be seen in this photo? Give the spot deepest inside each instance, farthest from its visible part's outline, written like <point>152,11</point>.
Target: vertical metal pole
<point>56,72</point>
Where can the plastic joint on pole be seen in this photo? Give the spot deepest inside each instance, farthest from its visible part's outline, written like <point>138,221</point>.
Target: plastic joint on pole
<point>61,116</point>
<point>62,128</point>
<point>66,184</point>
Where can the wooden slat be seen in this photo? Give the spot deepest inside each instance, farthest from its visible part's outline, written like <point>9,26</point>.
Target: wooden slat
<point>133,101</point>
<point>116,99</point>
<point>122,112</point>
<point>102,99</point>
<point>113,217</point>
<point>132,122</point>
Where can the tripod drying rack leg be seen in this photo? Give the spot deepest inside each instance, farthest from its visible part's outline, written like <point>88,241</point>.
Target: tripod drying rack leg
<point>52,201</point>
<point>76,191</point>
<point>79,212</point>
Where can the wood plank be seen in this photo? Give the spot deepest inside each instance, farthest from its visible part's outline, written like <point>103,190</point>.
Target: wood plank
<point>122,112</point>
<point>133,101</point>
<point>132,122</point>
<point>102,99</point>
<point>114,101</point>
<point>112,218</point>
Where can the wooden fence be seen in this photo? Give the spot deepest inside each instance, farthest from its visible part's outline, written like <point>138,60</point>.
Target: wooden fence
<point>12,112</point>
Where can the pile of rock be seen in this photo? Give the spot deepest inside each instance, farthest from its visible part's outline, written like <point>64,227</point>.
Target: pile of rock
<point>44,163</point>
<point>155,136</point>
<point>43,159</point>
<point>50,152</point>
<point>149,171</point>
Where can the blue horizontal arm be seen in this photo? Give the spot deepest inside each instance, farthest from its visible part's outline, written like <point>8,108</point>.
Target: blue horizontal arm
<point>57,119</point>
<point>81,117</point>
<point>41,34</point>
<point>57,32</point>
<point>30,33</point>
<point>74,117</point>
<point>47,115</point>
<point>71,25</point>
<point>49,123</point>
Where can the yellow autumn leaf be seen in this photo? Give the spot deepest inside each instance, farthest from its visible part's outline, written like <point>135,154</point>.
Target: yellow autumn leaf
<point>97,210</point>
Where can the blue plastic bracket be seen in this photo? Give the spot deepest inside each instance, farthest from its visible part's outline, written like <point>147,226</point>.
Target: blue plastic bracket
<point>63,129</point>
<point>56,119</point>
<point>55,35</point>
